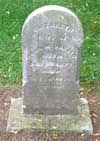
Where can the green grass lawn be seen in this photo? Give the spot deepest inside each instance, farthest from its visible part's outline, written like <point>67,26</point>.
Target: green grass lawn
<point>12,16</point>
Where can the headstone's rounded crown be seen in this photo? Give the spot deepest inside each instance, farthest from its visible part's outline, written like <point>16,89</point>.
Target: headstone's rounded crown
<point>50,14</point>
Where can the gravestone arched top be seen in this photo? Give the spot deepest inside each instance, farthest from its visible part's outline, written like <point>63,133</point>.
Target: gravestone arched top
<point>53,15</point>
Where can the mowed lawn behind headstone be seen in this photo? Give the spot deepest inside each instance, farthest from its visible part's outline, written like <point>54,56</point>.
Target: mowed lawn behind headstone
<point>14,13</point>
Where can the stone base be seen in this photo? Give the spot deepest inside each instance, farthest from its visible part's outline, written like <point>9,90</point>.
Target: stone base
<point>81,123</point>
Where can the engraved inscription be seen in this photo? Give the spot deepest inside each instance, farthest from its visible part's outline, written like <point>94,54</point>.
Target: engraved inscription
<point>54,25</point>
<point>49,58</point>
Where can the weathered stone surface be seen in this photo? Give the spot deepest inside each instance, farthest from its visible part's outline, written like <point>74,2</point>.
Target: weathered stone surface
<point>60,123</point>
<point>51,40</point>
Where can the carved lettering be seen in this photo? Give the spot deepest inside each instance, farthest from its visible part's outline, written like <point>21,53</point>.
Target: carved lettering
<point>53,25</point>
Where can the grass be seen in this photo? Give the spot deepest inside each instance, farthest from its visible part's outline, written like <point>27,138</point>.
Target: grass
<point>12,16</point>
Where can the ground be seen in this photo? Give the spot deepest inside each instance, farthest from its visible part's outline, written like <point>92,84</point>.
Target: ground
<point>6,93</point>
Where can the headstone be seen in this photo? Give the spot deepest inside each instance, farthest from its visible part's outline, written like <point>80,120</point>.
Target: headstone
<point>51,39</point>
<point>51,43</point>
